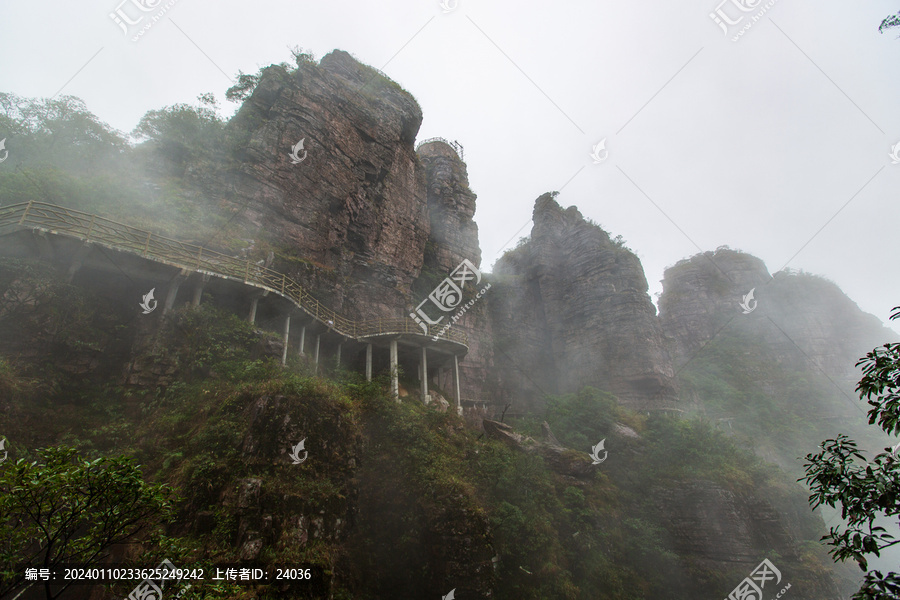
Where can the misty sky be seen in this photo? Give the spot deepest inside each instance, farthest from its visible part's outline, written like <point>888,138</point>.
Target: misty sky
<point>777,144</point>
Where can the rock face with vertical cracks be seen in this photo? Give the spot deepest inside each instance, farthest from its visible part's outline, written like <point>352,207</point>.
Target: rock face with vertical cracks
<point>572,310</point>
<point>451,208</point>
<point>349,221</point>
<point>454,237</point>
<point>364,222</point>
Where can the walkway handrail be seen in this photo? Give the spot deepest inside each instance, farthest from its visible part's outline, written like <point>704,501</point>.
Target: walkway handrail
<point>457,147</point>
<point>119,236</point>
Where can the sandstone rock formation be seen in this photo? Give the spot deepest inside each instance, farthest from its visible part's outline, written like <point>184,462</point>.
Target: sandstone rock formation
<point>572,310</point>
<point>802,321</point>
<point>453,237</point>
<point>350,220</point>
<point>451,208</point>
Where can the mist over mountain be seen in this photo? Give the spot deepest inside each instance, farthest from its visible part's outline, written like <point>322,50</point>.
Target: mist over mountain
<point>703,408</point>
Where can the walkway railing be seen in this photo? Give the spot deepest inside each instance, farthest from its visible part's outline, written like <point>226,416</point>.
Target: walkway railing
<point>118,236</point>
<point>457,147</point>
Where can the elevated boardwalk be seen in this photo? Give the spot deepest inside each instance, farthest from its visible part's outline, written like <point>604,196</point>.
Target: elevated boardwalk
<point>57,227</point>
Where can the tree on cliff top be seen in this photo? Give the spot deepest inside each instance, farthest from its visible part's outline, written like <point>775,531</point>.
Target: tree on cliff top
<point>864,489</point>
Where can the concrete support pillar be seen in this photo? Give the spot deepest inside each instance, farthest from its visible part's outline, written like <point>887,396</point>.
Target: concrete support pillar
<point>287,339</point>
<point>302,340</point>
<point>456,383</point>
<point>424,375</point>
<point>45,248</point>
<point>198,294</point>
<point>316,358</point>
<point>339,354</point>
<point>198,290</point>
<point>77,261</point>
<point>368,362</point>
<point>395,377</point>
<point>253,304</point>
<point>173,291</point>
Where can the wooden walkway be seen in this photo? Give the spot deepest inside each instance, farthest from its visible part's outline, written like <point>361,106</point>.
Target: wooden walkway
<point>125,238</point>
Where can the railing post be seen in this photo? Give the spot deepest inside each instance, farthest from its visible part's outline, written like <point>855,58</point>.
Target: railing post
<point>247,274</point>
<point>91,228</point>
<point>283,279</point>
<point>25,214</point>
<point>199,256</point>
<point>147,244</point>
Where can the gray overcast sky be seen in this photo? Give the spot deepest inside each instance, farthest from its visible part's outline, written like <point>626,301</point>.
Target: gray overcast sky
<point>756,144</point>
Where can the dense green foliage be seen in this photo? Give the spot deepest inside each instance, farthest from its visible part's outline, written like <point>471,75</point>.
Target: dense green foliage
<point>423,474</point>
<point>183,132</point>
<point>62,509</point>
<point>839,474</point>
<point>63,154</point>
<point>751,393</point>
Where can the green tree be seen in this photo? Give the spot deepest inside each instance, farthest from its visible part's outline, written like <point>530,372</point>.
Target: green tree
<point>888,22</point>
<point>246,83</point>
<point>64,509</point>
<point>183,131</point>
<point>59,131</point>
<point>241,90</point>
<point>839,474</point>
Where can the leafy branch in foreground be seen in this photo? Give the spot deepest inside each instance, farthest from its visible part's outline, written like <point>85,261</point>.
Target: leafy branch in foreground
<point>64,509</point>
<point>839,475</point>
<point>888,22</point>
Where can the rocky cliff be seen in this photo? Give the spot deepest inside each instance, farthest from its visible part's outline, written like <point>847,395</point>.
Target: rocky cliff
<point>350,219</point>
<point>776,369</point>
<point>364,221</point>
<point>719,531</point>
<point>453,237</point>
<point>572,309</point>
<point>803,320</point>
